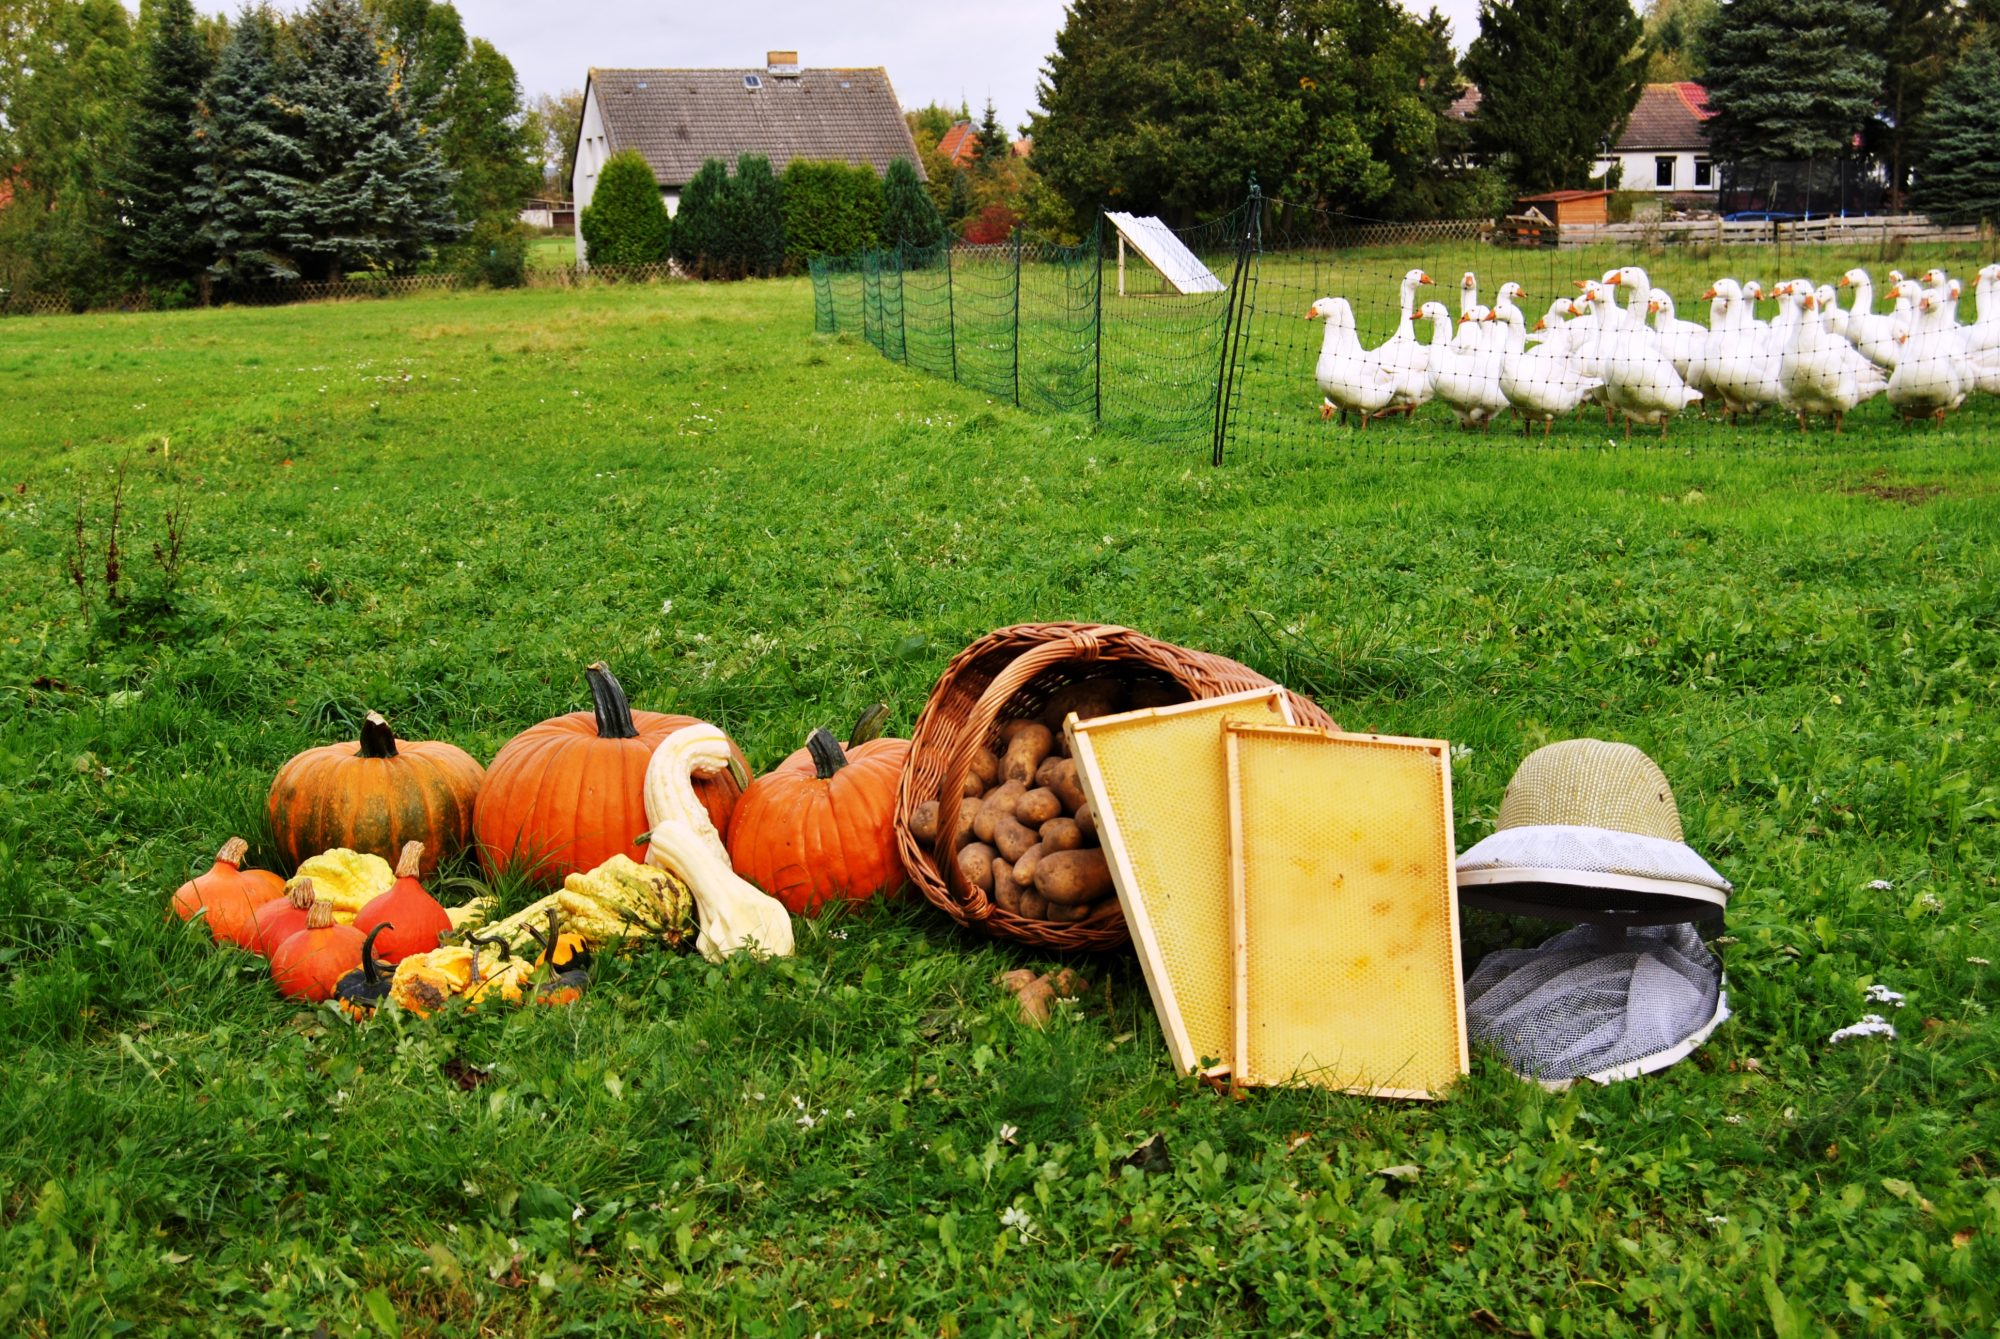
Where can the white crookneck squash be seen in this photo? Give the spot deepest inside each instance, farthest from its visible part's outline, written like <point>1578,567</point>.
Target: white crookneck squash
<point>734,914</point>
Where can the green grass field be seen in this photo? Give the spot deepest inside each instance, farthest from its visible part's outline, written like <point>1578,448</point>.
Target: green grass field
<point>551,253</point>
<point>442,508</point>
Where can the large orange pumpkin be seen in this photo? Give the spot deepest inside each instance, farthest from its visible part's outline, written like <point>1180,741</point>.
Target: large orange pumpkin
<point>820,827</point>
<point>375,795</point>
<point>565,796</point>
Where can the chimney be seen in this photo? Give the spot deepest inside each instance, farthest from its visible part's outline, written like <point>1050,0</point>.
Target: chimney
<point>782,64</point>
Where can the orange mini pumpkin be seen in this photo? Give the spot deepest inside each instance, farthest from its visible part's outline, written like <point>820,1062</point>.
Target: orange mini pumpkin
<point>309,965</point>
<point>568,794</point>
<point>412,917</point>
<point>820,827</point>
<point>281,918</point>
<point>228,895</point>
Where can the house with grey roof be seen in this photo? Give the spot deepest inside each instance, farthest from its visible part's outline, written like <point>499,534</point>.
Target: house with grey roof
<point>1664,146</point>
<point>679,119</point>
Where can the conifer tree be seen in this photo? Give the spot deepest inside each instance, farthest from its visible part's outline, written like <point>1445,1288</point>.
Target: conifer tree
<point>908,216</point>
<point>625,222</point>
<point>994,146</point>
<point>1557,81</point>
<point>1958,142</point>
<point>699,244</point>
<point>1791,80</point>
<point>156,233</point>
<point>237,131</point>
<point>754,219</point>
<point>357,181</point>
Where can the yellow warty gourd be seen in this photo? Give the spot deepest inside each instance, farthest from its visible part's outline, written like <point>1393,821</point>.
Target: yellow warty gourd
<point>345,880</point>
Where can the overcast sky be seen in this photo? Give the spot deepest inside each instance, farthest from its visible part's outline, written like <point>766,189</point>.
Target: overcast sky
<point>936,50</point>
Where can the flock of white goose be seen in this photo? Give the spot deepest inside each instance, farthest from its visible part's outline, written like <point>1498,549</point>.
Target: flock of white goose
<point>1644,362</point>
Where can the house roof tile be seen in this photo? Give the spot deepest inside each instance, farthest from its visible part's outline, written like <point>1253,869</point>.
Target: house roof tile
<point>678,119</point>
<point>1668,116</point>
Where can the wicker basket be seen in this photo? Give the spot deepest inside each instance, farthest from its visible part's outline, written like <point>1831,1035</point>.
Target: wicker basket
<point>1010,673</point>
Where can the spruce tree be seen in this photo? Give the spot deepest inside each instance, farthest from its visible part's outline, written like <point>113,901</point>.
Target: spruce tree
<point>908,217</point>
<point>626,222</point>
<point>1791,80</point>
<point>753,235</point>
<point>1557,81</point>
<point>358,183</point>
<point>238,132</point>
<point>1958,142</point>
<point>994,146</point>
<point>699,244</point>
<point>157,230</point>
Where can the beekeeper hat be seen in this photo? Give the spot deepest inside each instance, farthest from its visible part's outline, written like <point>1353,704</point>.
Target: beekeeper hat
<point>1588,830</point>
<point>1597,1002</point>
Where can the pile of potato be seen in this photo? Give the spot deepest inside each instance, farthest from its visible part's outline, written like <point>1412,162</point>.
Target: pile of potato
<point>1025,833</point>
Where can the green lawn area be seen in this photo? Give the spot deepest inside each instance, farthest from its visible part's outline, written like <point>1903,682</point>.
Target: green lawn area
<point>442,508</point>
<point>551,253</point>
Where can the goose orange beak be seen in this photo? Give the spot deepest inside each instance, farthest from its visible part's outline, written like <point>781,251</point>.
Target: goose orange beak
<point>1541,323</point>
<point>1708,293</point>
<point>1312,313</point>
<point>1423,278</point>
<point>1846,282</point>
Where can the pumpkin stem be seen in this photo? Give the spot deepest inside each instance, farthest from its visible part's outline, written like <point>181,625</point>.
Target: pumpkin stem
<point>377,739</point>
<point>479,941</point>
<point>369,971</point>
<point>301,895</point>
<point>232,852</point>
<point>319,916</point>
<point>869,725</point>
<point>614,713</point>
<point>409,861</point>
<point>826,754</point>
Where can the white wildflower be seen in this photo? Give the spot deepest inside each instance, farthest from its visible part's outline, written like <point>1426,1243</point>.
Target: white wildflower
<point>1881,994</point>
<point>1871,1025</point>
<point>1880,885</point>
<point>1732,1120</point>
<point>1930,902</point>
<point>1980,962</point>
<point>1016,1217</point>
<point>1007,1133</point>
<point>666,606</point>
<point>576,1214</point>
<point>1716,1219</point>
<point>1460,752</point>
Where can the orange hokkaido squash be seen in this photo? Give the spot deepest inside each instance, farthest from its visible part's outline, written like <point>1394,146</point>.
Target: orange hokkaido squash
<point>565,796</point>
<point>820,827</point>
<point>410,917</point>
<point>309,965</point>
<point>229,898</point>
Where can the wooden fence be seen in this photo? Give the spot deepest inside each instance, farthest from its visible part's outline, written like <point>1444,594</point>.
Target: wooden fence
<point>1877,231</point>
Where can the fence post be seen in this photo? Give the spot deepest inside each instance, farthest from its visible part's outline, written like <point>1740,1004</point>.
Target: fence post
<point>1097,323</point>
<point>1017,318</point>
<point>1232,315</point>
<point>902,307</point>
<point>951,308</point>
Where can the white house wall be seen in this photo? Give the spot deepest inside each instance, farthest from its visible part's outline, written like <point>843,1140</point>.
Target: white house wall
<point>591,152</point>
<point>1641,171</point>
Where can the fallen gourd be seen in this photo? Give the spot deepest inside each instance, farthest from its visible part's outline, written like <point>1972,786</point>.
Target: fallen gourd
<point>683,840</point>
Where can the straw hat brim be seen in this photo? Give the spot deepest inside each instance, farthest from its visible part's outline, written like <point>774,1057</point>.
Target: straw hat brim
<point>1568,872</point>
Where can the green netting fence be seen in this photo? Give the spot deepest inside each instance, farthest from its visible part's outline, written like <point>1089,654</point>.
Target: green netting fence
<point>1092,329</point>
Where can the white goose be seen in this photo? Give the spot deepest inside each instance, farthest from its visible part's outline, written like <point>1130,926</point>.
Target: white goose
<point>1681,339</point>
<point>1739,367</point>
<point>1466,373</point>
<point>1352,380</point>
<point>1468,292</point>
<point>1821,372</point>
<point>1542,383</point>
<point>1404,354</point>
<point>1872,332</point>
<point>1639,380</point>
<point>1984,337</point>
<point>1926,382</point>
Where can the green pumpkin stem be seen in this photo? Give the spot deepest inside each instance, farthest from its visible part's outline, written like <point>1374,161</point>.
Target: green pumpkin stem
<point>377,739</point>
<point>614,713</point>
<point>869,726</point>
<point>826,753</point>
<point>369,971</point>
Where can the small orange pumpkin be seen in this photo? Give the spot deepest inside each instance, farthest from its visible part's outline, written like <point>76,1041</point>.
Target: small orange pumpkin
<point>374,795</point>
<point>411,917</point>
<point>820,827</point>
<point>230,899</point>
<point>309,965</point>
<point>281,918</point>
<point>568,794</point>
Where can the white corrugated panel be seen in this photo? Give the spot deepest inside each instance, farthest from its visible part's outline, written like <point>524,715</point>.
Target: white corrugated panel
<point>1166,253</point>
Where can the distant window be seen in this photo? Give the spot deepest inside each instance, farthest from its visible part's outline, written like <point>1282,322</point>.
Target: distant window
<point>753,82</point>
<point>1663,172</point>
<point>1704,172</point>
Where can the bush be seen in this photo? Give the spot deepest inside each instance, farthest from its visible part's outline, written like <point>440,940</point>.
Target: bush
<point>995,223</point>
<point>831,209</point>
<point>496,252</point>
<point>909,218</point>
<point>754,219</point>
<point>625,222</point>
<point>701,230</point>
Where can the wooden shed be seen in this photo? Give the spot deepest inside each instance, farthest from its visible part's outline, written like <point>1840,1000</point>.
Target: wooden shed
<point>1564,208</point>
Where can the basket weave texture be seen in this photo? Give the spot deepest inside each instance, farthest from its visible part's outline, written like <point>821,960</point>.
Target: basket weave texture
<point>1011,673</point>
